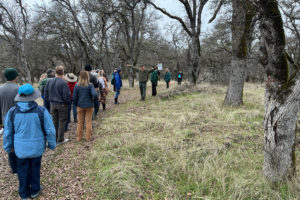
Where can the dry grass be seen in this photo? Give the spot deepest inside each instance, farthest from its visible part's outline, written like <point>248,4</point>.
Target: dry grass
<point>187,147</point>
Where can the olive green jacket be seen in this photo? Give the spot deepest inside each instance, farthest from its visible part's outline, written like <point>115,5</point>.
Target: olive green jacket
<point>143,75</point>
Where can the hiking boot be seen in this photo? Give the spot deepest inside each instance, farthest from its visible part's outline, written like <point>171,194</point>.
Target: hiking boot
<point>37,194</point>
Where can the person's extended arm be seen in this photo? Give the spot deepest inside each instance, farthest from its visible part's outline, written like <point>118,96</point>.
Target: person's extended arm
<point>46,91</point>
<point>75,95</point>
<point>93,92</point>
<point>1,123</point>
<point>50,130</point>
<point>66,94</point>
<point>8,143</point>
<point>152,70</point>
<point>134,68</point>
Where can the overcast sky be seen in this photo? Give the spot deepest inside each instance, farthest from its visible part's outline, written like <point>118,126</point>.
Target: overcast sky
<point>172,6</point>
<point>176,8</point>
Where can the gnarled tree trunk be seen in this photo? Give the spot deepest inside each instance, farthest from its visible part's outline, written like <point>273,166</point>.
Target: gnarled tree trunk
<point>241,21</point>
<point>281,97</point>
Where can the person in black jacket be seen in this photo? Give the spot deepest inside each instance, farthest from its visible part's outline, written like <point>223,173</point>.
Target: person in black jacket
<point>57,92</point>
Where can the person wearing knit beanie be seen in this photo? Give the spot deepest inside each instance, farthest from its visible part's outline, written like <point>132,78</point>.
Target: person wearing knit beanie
<point>8,92</point>
<point>10,74</point>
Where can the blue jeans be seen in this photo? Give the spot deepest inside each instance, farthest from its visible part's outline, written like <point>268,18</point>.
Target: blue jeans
<point>29,176</point>
<point>46,104</point>
<point>12,159</point>
<point>117,93</point>
<point>69,114</point>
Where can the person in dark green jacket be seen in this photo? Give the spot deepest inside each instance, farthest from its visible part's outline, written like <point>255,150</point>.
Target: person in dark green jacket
<point>143,78</point>
<point>154,79</point>
<point>167,78</point>
<point>42,86</point>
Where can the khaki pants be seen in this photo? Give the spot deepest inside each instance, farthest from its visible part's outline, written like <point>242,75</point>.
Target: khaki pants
<point>84,114</point>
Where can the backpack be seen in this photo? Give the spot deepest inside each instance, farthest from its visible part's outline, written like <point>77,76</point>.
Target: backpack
<point>38,110</point>
<point>12,158</point>
<point>113,81</point>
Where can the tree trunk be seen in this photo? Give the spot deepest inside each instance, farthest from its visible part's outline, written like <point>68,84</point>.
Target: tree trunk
<point>131,78</point>
<point>281,96</point>
<point>234,95</point>
<point>241,22</point>
<point>131,75</point>
<point>281,114</point>
<point>23,59</point>
<point>27,71</point>
<point>195,59</point>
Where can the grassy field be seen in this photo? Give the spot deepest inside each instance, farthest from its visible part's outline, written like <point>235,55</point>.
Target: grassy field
<point>186,147</point>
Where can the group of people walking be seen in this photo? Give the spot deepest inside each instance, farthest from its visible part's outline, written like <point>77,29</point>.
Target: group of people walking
<point>28,127</point>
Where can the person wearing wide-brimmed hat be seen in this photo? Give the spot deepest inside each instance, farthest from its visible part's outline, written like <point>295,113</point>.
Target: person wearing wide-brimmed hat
<point>71,81</point>
<point>27,127</point>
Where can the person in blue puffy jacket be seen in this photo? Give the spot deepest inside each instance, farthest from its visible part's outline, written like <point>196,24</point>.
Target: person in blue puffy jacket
<point>27,129</point>
<point>118,84</point>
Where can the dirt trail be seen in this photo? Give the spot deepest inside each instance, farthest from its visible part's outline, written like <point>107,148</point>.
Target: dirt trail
<point>63,172</point>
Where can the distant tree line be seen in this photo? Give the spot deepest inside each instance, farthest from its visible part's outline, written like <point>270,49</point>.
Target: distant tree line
<point>108,34</point>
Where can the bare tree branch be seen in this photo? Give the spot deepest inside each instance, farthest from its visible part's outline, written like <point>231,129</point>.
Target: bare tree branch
<point>216,11</point>
<point>171,16</point>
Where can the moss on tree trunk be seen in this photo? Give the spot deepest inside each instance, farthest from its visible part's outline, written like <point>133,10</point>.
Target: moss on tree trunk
<point>281,97</point>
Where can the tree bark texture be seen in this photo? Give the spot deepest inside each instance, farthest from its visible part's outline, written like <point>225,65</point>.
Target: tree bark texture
<point>241,21</point>
<point>25,63</point>
<point>234,95</point>
<point>281,97</point>
<point>195,58</point>
<point>131,78</point>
